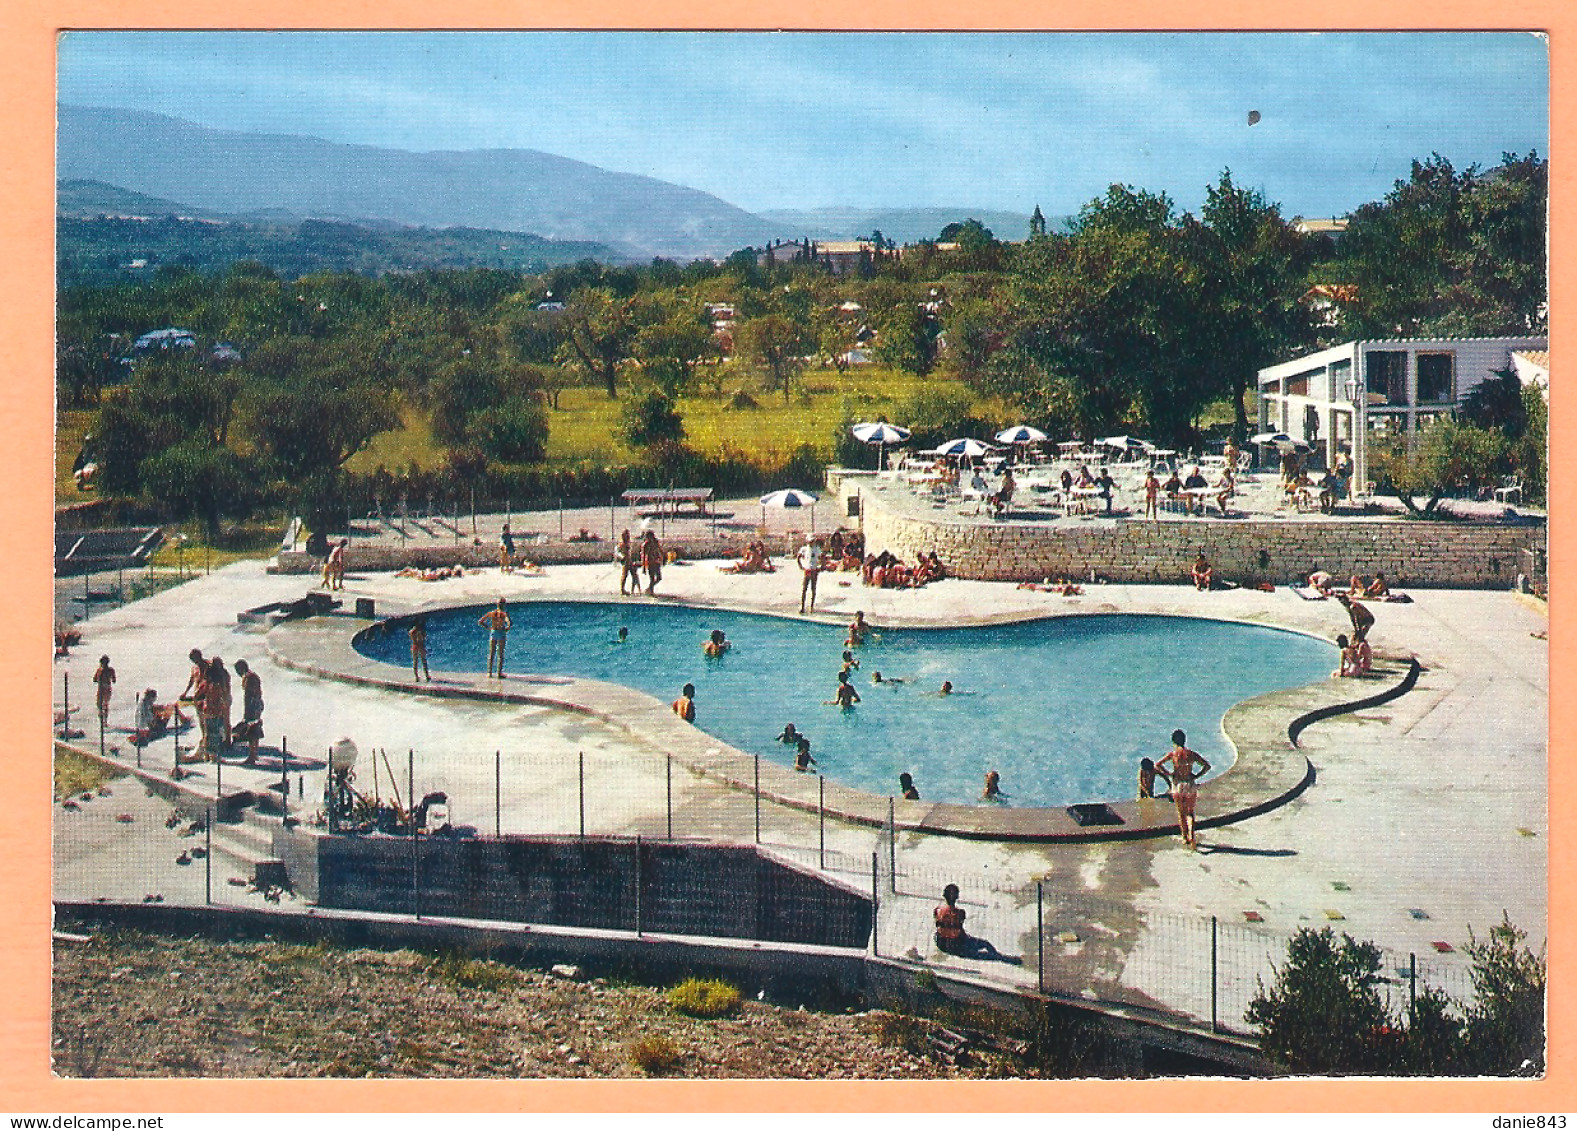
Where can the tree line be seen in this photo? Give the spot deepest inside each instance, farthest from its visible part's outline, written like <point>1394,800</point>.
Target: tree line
<point>1137,318</point>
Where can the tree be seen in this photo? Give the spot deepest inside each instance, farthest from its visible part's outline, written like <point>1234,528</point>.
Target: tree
<point>776,343</point>
<point>1448,457</point>
<point>1450,252</point>
<point>1505,1026</point>
<point>1325,1013</point>
<point>1250,264</point>
<point>195,478</point>
<point>598,328</point>
<point>514,431</point>
<point>651,421</point>
<point>671,345</point>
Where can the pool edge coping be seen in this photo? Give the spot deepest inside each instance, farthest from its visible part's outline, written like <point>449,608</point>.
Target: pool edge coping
<point>1268,771</point>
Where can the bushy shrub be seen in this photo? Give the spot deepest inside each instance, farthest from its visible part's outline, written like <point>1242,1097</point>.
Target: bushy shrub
<point>1324,1013</point>
<point>704,997</point>
<point>515,431</point>
<point>651,419</point>
<point>655,1055</point>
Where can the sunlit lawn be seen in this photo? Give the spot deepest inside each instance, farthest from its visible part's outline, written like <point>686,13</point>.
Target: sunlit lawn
<point>585,427</point>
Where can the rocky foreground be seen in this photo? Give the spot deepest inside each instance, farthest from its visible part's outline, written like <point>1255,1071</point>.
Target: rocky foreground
<point>133,1004</point>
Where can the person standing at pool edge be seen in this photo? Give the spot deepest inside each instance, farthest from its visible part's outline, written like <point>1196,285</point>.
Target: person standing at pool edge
<point>1182,767</point>
<point>418,634</point>
<point>498,624</point>
<point>629,565</point>
<point>652,562</point>
<point>809,561</point>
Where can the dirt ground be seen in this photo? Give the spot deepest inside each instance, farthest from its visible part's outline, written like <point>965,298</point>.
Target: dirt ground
<point>133,1004</point>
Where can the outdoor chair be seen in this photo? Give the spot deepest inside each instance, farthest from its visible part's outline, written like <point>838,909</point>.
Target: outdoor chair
<point>1509,486</point>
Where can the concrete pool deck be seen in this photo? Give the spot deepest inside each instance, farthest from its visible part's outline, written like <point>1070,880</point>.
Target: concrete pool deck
<point>1435,801</point>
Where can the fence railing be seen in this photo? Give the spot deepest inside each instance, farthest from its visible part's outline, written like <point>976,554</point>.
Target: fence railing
<point>1039,934</point>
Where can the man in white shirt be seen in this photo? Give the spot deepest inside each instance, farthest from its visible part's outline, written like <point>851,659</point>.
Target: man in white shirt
<point>809,561</point>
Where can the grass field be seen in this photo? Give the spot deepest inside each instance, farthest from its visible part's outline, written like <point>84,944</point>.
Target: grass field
<point>585,427</point>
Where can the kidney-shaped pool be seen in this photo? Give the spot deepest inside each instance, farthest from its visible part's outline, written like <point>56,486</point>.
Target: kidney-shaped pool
<point>1063,708</point>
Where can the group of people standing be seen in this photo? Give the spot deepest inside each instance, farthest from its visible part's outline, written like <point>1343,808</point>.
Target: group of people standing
<point>633,557</point>
<point>209,690</point>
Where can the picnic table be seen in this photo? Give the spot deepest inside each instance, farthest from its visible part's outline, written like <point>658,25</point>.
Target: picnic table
<point>667,500</point>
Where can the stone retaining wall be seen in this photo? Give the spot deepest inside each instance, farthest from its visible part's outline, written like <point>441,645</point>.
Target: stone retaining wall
<point>1410,552</point>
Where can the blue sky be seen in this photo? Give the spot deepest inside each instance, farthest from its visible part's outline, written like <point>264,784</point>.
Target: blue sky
<point>789,120</point>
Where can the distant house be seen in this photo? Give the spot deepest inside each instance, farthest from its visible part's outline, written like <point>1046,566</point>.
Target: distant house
<point>551,304</point>
<point>844,256</point>
<point>1533,368</point>
<point>1361,393</point>
<point>171,338</point>
<point>1331,227</point>
<point>1325,300</point>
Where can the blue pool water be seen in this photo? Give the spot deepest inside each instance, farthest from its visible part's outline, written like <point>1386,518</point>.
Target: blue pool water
<point>1063,708</point>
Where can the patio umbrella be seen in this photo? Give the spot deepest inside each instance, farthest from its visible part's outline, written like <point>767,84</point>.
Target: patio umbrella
<point>1021,434</point>
<point>1280,439</point>
<point>1125,442</point>
<point>963,446</point>
<point>881,434</point>
<point>789,497</point>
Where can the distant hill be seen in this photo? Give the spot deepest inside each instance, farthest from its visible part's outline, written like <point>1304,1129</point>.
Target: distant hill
<point>86,199</point>
<point>510,190</point>
<point>901,225</point>
<point>114,245</point>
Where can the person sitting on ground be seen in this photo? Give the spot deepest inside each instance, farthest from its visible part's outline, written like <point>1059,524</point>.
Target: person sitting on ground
<point>717,644</point>
<point>922,571</point>
<point>1085,479</point>
<point>1173,486</point>
<point>1202,573</point>
<point>1148,772</point>
<point>154,719</point>
<point>1067,481</point>
<point>802,759</point>
<point>1195,482</point>
<point>845,696</point>
<point>835,545</point>
<point>993,788</point>
<point>934,565</point>
<point>66,636</point>
<point>1330,492</point>
<point>851,561</point>
<point>1355,587</point>
<point>906,787</point>
<point>684,706</point>
<point>1363,657</point>
<point>1320,582</point>
<point>949,918</point>
<point>1377,587</point>
<point>790,735</point>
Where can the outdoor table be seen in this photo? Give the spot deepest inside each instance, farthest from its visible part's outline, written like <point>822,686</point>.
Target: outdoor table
<point>1198,495</point>
<point>1079,498</point>
<point>668,499</point>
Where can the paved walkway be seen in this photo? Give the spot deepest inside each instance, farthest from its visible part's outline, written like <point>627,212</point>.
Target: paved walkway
<point>1434,805</point>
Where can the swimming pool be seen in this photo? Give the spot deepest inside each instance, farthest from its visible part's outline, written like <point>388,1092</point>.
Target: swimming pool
<point>1063,708</point>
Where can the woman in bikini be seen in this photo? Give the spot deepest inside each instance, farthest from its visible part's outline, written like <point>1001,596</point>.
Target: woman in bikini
<point>497,623</point>
<point>1183,767</point>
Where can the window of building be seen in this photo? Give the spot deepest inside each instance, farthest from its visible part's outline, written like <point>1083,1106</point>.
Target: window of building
<point>1381,425</point>
<point>1387,376</point>
<point>1341,373</point>
<point>1298,385</point>
<point>1436,378</point>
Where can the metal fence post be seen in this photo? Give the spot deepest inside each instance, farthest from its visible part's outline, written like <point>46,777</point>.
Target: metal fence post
<point>561,516</point>
<point>892,846</point>
<point>410,820</point>
<point>498,794</point>
<point>637,885</point>
<point>1412,986</point>
<point>65,722</point>
<point>208,857</point>
<point>1040,936</point>
<point>1214,1026</point>
<point>758,798</point>
<point>101,734</point>
<point>284,778</point>
<point>582,757</point>
<point>670,779</point>
<point>821,822</point>
<point>875,906</point>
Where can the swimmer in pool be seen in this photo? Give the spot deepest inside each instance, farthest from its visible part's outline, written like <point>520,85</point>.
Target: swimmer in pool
<point>947,687</point>
<point>876,677</point>
<point>993,790</point>
<point>849,662</point>
<point>717,644</point>
<point>802,759</point>
<point>845,696</point>
<point>907,787</point>
<point>858,628</point>
<point>624,636</point>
